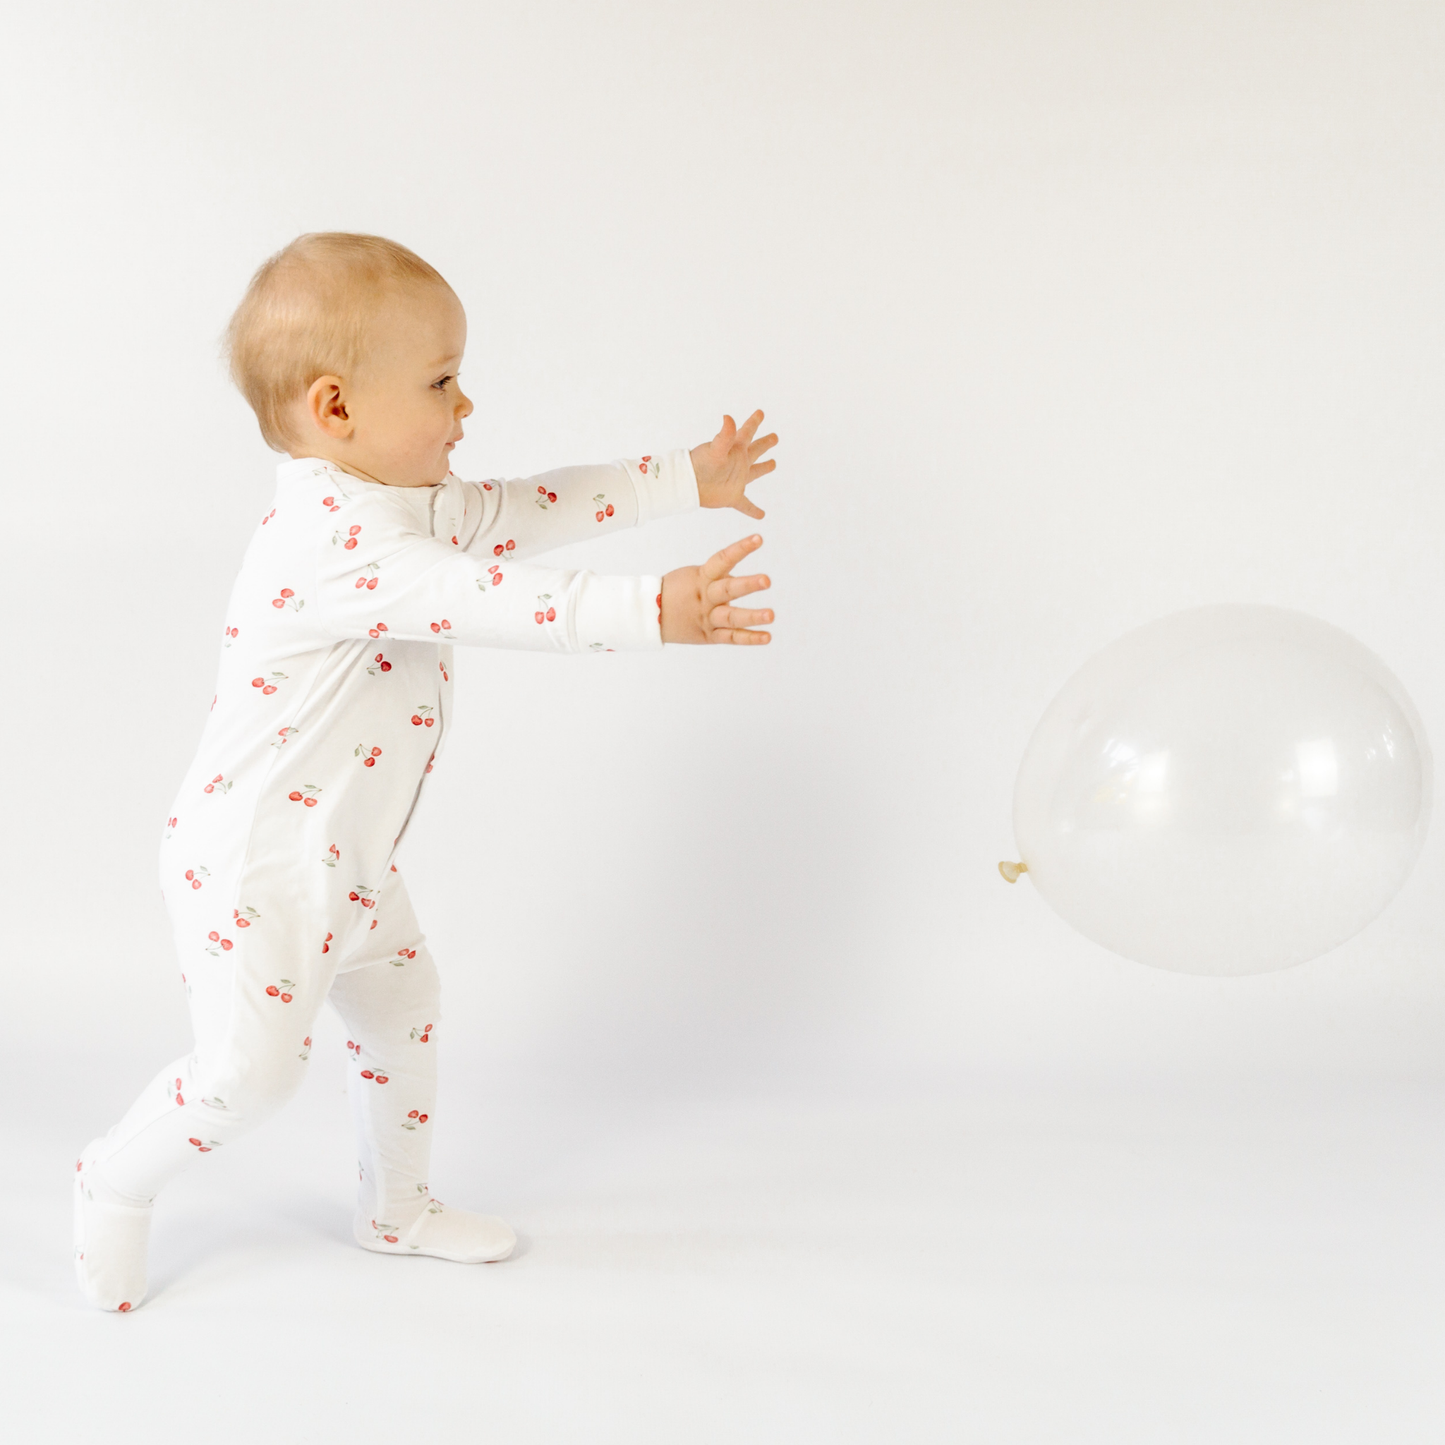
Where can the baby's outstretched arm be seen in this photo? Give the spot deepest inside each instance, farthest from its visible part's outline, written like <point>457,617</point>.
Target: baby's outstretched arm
<point>520,518</point>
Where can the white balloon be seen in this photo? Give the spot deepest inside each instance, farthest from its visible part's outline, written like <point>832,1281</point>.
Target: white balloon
<point>1226,791</point>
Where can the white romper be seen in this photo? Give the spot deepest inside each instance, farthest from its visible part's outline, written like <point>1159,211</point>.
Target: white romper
<point>333,698</point>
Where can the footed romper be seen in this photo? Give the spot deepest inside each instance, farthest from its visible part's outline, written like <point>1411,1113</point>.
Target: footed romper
<point>333,698</point>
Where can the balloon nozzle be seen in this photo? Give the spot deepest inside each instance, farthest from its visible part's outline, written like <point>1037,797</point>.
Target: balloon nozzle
<point>1011,871</point>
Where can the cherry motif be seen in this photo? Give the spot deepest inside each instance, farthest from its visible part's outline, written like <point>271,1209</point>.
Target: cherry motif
<point>443,667</point>
<point>195,876</point>
<point>642,465</point>
<point>245,916</point>
<point>306,794</point>
<point>330,504</point>
<point>289,599</point>
<point>280,990</point>
<point>326,947</point>
<point>377,630</point>
<point>332,858</point>
<point>422,715</point>
<point>268,516</point>
<point>545,614</point>
<point>368,756</point>
<point>378,664</point>
<point>508,546</point>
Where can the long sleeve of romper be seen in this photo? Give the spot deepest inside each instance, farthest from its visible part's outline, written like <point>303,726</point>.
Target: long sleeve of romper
<point>442,565</point>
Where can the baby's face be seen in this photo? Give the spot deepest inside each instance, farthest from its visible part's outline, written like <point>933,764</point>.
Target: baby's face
<point>402,414</point>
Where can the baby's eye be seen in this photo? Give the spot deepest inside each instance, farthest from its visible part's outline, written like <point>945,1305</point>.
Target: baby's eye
<point>442,384</point>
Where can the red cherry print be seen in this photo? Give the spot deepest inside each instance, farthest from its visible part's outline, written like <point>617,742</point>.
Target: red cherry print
<point>412,1114</point>
<point>268,689</point>
<point>543,490</point>
<point>599,516</point>
<point>308,802</point>
<point>196,1142</point>
<point>227,945</point>
<point>381,627</point>
<point>180,1102</point>
<point>376,752</point>
<point>386,667</point>
<point>214,936</point>
<point>367,1074</point>
<point>368,762</point>
<point>285,998</point>
<point>354,531</point>
<point>375,921</point>
<point>195,883</point>
<point>360,582</point>
<point>353,897</point>
<point>349,543</point>
<point>209,788</point>
<point>371,585</point>
<point>190,874</point>
<point>425,1039</point>
<point>486,486</point>
<point>421,1118</point>
<point>258,682</point>
<point>381,1078</point>
<point>295,797</point>
<point>124,1306</point>
<point>647,459</point>
<point>178,1083</point>
<point>496,579</point>
<point>498,550</point>
<point>511,545</point>
<point>389,1238</point>
<point>551,496</point>
<point>277,602</point>
<point>428,721</point>
<point>436,627</point>
<point>446,626</point>
<point>551,614</point>
<point>539,616</point>
<point>272,990</point>
<point>415,721</point>
<point>306,1044</point>
<point>205,1149</point>
<point>455,542</point>
<point>609,509</point>
<point>287,592</point>
<point>328,501</point>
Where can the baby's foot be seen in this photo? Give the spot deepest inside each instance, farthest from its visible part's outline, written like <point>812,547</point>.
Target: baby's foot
<point>111,1233</point>
<point>443,1233</point>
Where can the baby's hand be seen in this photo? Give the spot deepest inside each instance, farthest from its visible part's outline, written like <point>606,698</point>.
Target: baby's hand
<point>725,465</point>
<point>695,599</point>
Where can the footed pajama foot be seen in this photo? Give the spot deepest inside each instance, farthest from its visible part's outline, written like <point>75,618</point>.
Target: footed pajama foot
<point>443,1233</point>
<point>111,1235</point>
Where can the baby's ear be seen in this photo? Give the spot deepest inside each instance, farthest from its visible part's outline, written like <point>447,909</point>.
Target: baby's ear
<point>325,407</point>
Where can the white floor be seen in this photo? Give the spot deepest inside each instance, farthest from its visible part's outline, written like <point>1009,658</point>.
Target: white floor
<point>991,1263</point>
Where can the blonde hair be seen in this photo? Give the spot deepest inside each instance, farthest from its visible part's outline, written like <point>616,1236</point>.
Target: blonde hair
<point>306,314</point>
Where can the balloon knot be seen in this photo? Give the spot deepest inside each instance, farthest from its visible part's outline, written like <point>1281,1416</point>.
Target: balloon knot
<point>1011,871</point>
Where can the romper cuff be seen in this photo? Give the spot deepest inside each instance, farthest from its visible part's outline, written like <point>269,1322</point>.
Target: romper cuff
<point>665,484</point>
<point>618,614</point>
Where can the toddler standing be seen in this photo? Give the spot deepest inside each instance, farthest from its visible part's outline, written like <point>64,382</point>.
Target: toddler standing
<point>278,864</point>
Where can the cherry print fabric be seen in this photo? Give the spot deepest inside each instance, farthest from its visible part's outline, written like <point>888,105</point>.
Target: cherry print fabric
<point>334,690</point>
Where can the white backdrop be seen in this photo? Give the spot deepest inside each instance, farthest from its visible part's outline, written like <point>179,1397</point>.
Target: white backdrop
<point>1069,316</point>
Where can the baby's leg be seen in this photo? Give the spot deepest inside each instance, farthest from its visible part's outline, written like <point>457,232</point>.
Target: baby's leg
<point>255,989</point>
<point>387,995</point>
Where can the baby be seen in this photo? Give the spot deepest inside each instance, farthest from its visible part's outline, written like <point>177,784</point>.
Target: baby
<point>278,865</point>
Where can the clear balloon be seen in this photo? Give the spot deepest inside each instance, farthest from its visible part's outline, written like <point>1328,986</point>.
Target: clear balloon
<point>1227,791</point>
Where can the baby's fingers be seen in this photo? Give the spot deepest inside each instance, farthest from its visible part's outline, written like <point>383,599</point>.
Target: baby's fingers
<point>721,563</point>
<point>741,637</point>
<point>726,589</point>
<point>725,618</point>
<point>746,430</point>
<point>763,444</point>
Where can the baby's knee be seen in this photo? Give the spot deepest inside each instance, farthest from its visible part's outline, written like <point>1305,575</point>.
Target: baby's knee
<point>250,1090</point>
